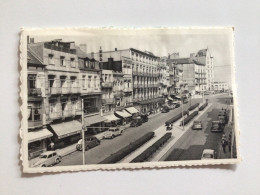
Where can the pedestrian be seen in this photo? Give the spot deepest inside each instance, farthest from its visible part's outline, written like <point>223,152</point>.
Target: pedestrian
<point>52,145</point>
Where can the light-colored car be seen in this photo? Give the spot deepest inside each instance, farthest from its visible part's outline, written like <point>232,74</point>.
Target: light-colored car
<point>197,125</point>
<point>112,132</point>
<point>208,154</point>
<point>47,159</point>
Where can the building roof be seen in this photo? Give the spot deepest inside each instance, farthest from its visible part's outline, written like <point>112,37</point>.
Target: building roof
<point>145,53</point>
<point>202,52</point>
<point>32,57</point>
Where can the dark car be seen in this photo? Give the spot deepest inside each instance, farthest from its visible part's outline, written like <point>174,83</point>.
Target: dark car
<point>90,142</point>
<point>165,110</point>
<point>136,123</point>
<point>168,128</point>
<point>216,126</point>
<point>144,118</point>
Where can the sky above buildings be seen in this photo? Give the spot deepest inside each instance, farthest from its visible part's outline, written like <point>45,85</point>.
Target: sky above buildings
<point>159,42</point>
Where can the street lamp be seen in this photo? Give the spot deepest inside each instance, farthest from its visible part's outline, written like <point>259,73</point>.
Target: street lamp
<point>83,133</point>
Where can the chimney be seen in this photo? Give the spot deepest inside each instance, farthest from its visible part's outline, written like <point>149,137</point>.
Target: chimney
<point>83,47</point>
<point>115,49</point>
<point>31,40</point>
<point>28,39</point>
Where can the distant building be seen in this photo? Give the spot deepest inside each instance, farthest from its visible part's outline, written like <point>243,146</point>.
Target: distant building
<point>135,78</point>
<point>220,86</point>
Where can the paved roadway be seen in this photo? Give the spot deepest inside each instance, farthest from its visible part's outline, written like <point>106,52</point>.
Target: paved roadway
<point>107,147</point>
<point>191,145</point>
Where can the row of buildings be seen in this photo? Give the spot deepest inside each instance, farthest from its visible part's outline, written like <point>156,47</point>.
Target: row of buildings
<point>106,87</point>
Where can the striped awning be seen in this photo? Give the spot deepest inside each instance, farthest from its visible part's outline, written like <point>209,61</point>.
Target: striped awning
<point>39,135</point>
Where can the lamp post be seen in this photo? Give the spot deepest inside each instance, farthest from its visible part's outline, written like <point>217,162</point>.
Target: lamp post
<point>83,133</point>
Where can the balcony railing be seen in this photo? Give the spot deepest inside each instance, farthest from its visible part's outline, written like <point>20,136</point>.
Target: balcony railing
<point>108,101</point>
<point>34,92</point>
<point>127,89</point>
<point>107,85</point>
<point>55,115</point>
<point>33,124</point>
<point>67,113</point>
<point>75,89</point>
<point>65,90</point>
<point>55,90</point>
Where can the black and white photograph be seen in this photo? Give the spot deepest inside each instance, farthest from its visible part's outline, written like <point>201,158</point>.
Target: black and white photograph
<point>127,98</point>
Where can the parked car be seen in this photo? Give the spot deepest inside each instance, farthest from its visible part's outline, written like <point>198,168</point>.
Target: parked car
<point>112,132</point>
<point>136,123</point>
<point>208,154</point>
<point>47,159</point>
<point>197,125</point>
<point>165,109</point>
<point>216,126</point>
<point>144,118</point>
<point>90,142</point>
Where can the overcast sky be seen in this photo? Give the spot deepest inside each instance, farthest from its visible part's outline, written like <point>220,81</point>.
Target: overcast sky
<point>160,42</point>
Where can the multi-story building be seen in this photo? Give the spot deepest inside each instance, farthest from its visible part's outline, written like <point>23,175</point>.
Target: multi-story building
<point>163,77</point>
<point>220,86</point>
<point>38,135</point>
<point>91,93</point>
<point>63,102</point>
<point>136,74</point>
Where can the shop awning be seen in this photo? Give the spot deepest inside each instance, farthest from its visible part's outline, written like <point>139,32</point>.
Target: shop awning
<point>132,110</point>
<point>39,135</point>
<point>123,114</point>
<point>67,128</point>
<point>110,118</point>
<point>93,120</point>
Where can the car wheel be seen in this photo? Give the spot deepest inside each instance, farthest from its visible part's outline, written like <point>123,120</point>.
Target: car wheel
<point>87,148</point>
<point>112,137</point>
<point>97,142</point>
<point>43,166</point>
<point>57,160</point>
<point>79,147</point>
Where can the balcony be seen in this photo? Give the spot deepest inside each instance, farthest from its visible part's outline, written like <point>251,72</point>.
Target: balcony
<point>128,89</point>
<point>66,90</point>
<point>76,112</point>
<point>55,90</point>
<point>135,72</point>
<point>34,124</point>
<point>55,115</point>
<point>136,85</point>
<point>107,85</point>
<point>75,89</point>
<point>67,113</point>
<point>119,93</point>
<point>108,101</point>
<point>34,92</point>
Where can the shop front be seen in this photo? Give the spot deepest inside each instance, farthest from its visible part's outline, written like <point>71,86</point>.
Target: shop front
<point>133,111</point>
<point>95,124</point>
<point>112,120</point>
<point>38,142</point>
<point>124,115</point>
<point>66,133</point>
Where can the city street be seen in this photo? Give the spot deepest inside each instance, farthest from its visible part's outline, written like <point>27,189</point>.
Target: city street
<point>191,145</point>
<point>108,146</point>
<point>188,147</point>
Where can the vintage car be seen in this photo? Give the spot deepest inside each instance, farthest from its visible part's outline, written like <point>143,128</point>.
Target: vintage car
<point>208,154</point>
<point>197,125</point>
<point>168,128</point>
<point>112,132</point>
<point>47,159</point>
<point>136,123</point>
<point>216,126</point>
<point>90,142</point>
<point>144,118</point>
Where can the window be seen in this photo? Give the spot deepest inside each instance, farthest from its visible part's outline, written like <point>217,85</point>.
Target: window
<point>89,81</point>
<point>32,81</point>
<point>35,112</point>
<point>95,81</point>
<point>50,59</point>
<point>84,82</point>
<point>72,62</point>
<point>52,107</point>
<point>62,60</point>
<point>87,64</point>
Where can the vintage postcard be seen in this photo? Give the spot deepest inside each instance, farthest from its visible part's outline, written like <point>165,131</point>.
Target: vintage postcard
<point>111,98</point>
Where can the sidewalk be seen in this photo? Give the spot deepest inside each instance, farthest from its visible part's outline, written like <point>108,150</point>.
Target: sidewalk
<point>72,148</point>
<point>227,130</point>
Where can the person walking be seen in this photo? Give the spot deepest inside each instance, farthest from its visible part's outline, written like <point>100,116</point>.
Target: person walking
<point>224,143</point>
